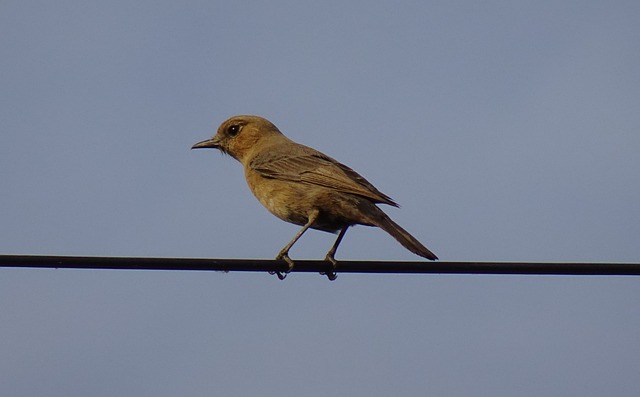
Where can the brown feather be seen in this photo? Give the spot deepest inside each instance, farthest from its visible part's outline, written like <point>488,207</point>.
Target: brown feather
<point>306,165</point>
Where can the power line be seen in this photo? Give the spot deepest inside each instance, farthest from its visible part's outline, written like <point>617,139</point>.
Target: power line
<point>316,266</point>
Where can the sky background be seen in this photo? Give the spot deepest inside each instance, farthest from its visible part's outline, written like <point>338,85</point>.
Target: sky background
<point>506,130</point>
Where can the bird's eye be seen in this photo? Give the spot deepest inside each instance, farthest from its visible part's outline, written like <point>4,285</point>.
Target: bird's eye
<point>233,130</point>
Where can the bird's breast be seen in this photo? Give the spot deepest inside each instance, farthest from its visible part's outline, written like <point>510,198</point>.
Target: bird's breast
<point>284,199</point>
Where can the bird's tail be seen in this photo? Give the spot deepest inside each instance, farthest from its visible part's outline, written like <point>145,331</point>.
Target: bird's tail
<point>403,237</point>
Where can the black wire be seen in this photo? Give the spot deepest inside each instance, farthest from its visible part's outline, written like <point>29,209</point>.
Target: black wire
<point>316,266</point>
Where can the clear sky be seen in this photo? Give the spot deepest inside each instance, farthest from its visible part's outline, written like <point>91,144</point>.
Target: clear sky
<point>507,131</point>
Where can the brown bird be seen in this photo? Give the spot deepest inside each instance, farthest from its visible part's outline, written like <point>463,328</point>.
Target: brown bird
<point>300,185</point>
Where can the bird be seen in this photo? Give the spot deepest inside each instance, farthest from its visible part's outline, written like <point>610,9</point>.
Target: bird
<point>303,186</point>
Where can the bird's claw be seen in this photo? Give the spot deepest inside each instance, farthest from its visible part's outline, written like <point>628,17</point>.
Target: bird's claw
<point>331,275</point>
<point>285,257</point>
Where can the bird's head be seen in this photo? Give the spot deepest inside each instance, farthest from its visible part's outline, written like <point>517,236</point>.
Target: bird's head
<point>240,136</point>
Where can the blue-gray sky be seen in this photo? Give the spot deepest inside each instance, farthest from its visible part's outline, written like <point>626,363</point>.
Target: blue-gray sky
<point>508,131</point>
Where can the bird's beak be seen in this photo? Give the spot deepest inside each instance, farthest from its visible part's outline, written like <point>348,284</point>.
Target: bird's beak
<point>209,143</point>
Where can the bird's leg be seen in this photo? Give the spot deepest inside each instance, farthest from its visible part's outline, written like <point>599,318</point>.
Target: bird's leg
<point>284,253</point>
<point>331,275</point>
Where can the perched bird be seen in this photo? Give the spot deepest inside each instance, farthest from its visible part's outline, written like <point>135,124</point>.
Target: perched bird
<point>300,185</point>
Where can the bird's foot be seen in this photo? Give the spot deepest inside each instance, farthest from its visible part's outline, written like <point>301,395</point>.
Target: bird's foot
<point>285,257</point>
<point>331,275</point>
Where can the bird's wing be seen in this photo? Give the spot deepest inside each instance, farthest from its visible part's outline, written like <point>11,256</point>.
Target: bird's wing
<point>307,165</point>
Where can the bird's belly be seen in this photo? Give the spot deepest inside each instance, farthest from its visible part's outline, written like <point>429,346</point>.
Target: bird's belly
<point>295,202</point>
<point>286,200</point>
